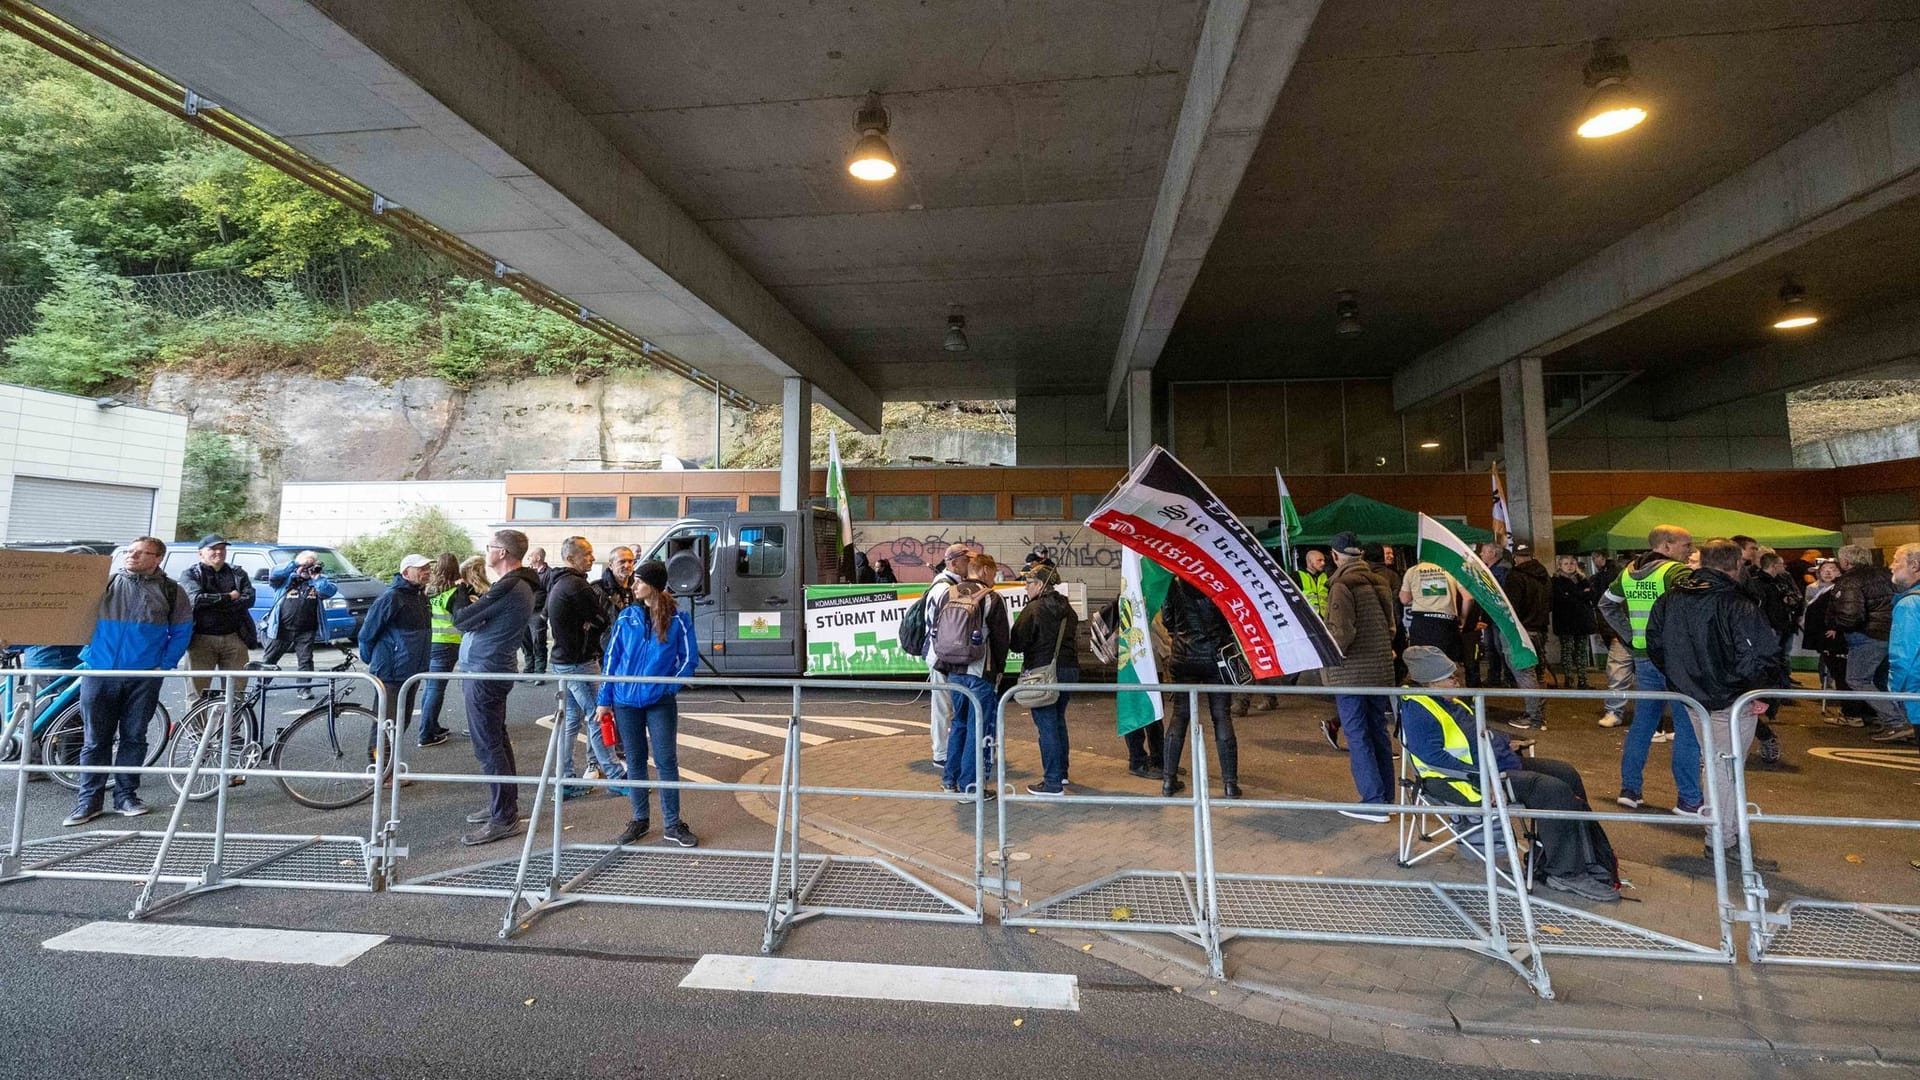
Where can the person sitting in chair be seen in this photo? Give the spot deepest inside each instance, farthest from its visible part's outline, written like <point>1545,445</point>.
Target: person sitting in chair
<point>1439,735</point>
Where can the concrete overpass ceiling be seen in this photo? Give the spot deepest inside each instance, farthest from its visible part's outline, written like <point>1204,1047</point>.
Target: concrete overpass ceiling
<point>1031,139</point>
<point>1428,163</point>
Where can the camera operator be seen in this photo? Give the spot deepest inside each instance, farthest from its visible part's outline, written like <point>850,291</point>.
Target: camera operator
<point>296,616</point>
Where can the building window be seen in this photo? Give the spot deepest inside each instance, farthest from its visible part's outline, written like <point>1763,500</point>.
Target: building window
<point>1083,505</point>
<point>712,507</point>
<point>761,504</point>
<point>968,508</point>
<point>1374,441</point>
<point>1044,507</point>
<point>860,507</point>
<point>653,507</point>
<point>902,507</point>
<point>543,508</point>
<point>763,551</point>
<point>592,506</point>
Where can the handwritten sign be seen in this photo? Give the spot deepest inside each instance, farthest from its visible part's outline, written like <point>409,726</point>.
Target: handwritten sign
<point>48,598</point>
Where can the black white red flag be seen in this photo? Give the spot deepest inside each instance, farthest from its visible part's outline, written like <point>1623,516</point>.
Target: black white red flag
<point>1166,514</point>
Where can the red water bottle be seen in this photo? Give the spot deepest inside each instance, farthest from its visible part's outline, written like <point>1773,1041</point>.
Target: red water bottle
<point>607,736</point>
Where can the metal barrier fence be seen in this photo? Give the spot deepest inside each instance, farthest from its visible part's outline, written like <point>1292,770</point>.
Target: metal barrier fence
<point>1209,906</point>
<point>1820,933</point>
<point>200,862</point>
<point>787,885</point>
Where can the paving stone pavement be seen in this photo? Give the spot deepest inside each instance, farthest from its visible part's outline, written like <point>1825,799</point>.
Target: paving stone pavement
<point>1622,1017</point>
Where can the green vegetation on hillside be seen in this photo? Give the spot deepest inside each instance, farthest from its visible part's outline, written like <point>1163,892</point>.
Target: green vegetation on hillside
<point>427,530</point>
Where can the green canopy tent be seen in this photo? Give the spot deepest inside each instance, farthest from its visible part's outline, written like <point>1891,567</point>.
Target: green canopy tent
<point>1625,528</point>
<point>1369,519</point>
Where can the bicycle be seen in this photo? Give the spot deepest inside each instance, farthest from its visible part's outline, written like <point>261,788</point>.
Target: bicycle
<point>326,738</point>
<point>56,731</point>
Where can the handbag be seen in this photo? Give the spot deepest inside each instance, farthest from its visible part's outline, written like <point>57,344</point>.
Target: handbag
<point>1045,673</point>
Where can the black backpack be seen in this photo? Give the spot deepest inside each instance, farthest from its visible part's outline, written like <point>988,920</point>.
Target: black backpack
<point>913,626</point>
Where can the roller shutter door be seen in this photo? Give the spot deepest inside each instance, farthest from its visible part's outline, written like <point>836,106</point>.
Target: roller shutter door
<point>45,509</point>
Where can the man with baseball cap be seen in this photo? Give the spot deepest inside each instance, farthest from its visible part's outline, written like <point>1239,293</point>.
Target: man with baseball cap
<point>952,572</point>
<point>396,638</point>
<point>222,598</point>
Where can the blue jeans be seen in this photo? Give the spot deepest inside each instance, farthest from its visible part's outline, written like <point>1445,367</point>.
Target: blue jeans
<point>433,693</point>
<point>1867,672</point>
<point>577,701</point>
<point>1646,720</point>
<point>493,747</point>
<point>1369,749</point>
<point>654,727</point>
<point>1050,721</point>
<point>978,706</point>
<point>114,710</point>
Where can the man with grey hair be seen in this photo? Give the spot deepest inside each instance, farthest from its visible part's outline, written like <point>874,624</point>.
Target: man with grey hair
<point>578,621</point>
<point>1862,610</point>
<point>298,614</point>
<point>493,627</point>
<point>1903,648</point>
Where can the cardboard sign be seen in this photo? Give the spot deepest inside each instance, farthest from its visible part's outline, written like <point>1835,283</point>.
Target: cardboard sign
<point>49,598</point>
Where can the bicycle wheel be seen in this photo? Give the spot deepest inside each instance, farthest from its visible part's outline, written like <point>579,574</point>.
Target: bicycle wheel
<point>328,738</point>
<point>204,723</point>
<point>60,743</point>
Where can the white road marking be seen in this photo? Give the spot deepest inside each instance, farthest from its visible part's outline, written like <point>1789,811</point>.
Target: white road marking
<point>885,982</point>
<point>216,943</point>
<point>692,742</point>
<point>911,724</point>
<point>854,725</point>
<point>724,720</point>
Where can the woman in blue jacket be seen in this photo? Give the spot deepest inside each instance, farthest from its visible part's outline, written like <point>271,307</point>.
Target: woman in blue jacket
<point>652,636</point>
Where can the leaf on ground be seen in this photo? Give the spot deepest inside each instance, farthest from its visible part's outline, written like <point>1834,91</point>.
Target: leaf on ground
<point>1018,1022</point>
<point>1856,859</point>
<point>1551,929</point>
<point>529,1001</point>
<point>1123,913</point>
<point>1086,948</point>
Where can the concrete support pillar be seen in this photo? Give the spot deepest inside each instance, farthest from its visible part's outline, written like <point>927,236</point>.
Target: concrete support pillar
<point>1523,415</point>
<point>796,443</point>
<point>1139,392</point>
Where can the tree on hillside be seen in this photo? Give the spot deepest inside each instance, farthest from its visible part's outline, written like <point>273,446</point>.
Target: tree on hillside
<point>89,329</point>
<point>426,529</point>
<point>213,485</point>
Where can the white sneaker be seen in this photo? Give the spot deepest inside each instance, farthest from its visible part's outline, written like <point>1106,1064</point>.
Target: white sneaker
<point>1663,736</point>
<point>1612,719</point>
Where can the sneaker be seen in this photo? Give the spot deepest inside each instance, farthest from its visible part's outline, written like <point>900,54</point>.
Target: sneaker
<point>434,739</point>
<point>1241,704</point>
<point>939,763</point>
<point>635,829</point>
<point>1663,736</point>
<point>479,817</point>
<point>1732,856</point>
<point>948,788</point>
<point>573,791</point>
<point>1612,719</point>
<point>1691,810</point>
<point>491,831</point>
<point>989,796</point>
<point>1144,772</point>
<point>1330,730</point>
<point>1585,888</point>
<point>1630,799</point>
<point>133,807</point>
<point>678,833</point>
<point>591,772</point>
<point>1843,720</point>
<point>81,815</point>
<point>1769,750</point>
<point>1903,733</point>
<point>1527,723</point>
<point>1378,819</point>
<point>1042,789</point>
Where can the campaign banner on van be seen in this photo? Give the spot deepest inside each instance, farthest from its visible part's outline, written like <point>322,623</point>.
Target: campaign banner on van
<point>855,629</point>
<point>1166,514</point>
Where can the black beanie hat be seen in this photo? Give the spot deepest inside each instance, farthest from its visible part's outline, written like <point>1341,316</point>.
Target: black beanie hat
<point>653,572</point>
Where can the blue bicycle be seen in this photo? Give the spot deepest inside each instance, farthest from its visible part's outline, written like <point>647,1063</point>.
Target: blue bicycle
<point>55,732</point>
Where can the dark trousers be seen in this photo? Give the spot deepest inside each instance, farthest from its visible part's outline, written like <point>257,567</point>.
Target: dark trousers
<point>1144,746</point>
<point>1050,725</point>
<point>1546,784</point>
<point>433,693</point>
<point>1226,747</point>
<point>297,642</point>
<point>114,710</point>
<point>492,746</point>
<point>1363,719</point>
<point>534,644</point>
<point>1440,631</point>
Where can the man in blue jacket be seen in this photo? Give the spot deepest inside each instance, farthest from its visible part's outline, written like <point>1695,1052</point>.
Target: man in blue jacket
<point>493,626</point>
<point>397,633</point>
<point>145,623</point>
<point>1903,651</point>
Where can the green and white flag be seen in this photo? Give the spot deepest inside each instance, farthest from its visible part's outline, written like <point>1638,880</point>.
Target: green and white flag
<point>1289,523</point>
<point>1143,588</point>
<point>1439,546</point>
<point>837,489</point>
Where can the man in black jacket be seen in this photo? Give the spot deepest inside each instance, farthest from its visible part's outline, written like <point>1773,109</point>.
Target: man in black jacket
<point>1862,610</point>
<point>534,645</point>
<point>1530,588</point>
<point>577,620</point>
<point>1197,632</point>
<point>222,598</point>
<point>1713,643</point>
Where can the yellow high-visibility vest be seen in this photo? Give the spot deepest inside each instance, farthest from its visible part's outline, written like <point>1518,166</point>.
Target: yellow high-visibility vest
<point>1458,743</point>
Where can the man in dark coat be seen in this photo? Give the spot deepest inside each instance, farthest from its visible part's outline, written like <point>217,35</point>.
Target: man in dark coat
<point>1530,589</point>
<point>1360,618</point>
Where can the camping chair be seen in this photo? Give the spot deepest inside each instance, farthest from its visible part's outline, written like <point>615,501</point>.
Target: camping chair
<point>1439,828</point>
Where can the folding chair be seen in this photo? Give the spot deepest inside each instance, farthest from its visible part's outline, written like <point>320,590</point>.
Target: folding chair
<point>1439,827</point>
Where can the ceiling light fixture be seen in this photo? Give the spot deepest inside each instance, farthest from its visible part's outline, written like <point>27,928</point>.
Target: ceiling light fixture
<point>1614,107</point>
<point>1793,314</point>
<point>956,340</point>
<point>872,159</point>
<point>1430,444</point>
<point>1348,309</point>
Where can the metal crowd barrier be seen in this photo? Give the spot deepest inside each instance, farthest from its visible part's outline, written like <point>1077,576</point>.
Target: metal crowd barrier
<point>784,883</point>
<point>200,862</point>
<point>1820,933</point>
<point>1491,919</point>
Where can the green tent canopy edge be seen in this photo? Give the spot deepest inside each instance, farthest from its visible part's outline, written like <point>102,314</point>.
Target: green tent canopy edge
<point>1371,520</point>
<point>1625,528</point>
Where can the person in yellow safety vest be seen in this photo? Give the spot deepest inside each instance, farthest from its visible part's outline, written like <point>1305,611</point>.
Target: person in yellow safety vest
<point>447,593</point>
<point>1439,735</point>
<point>1627,606</point>
<point>1313,581</point>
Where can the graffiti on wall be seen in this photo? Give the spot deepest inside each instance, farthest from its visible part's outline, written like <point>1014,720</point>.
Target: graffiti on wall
<point>1081,549</point>
<point>913,558</point>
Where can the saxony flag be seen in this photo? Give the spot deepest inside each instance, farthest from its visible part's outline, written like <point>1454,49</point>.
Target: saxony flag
<point>1439,546</point>
<point>1143,587</point>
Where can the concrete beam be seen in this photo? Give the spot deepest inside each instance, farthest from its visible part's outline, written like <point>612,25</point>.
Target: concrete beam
<point>1523,420</point>
<point>1888,336</point>
<point>1139,386</point>
<point>426,104</point>
<point>1860,160</point>
<point>1247,49</point>
<point>796,443</point>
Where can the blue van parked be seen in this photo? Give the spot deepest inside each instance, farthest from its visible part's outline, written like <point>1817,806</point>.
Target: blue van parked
<point>342,612</point>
